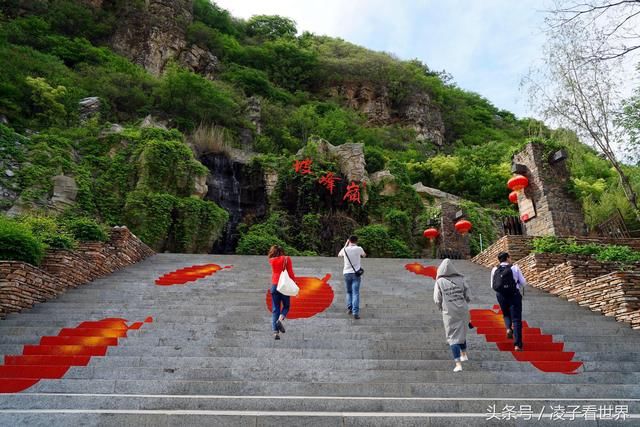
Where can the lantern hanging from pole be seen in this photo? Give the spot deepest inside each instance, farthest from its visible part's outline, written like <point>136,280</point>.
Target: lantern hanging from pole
<point>431,234</point>
<point>513,197</point>
<point>518,182</point>
<point>463,226</point>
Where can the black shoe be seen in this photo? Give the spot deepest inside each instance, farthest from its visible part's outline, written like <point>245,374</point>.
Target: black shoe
<point>349,312</point>
<point>280,326</point>
<point>509,334</point>
<point>276,336</point>
<point>356,316</point>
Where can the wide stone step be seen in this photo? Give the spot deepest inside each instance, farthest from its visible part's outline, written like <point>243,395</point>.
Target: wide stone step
<point>316,375</point>
<point>286,403</point>
<point>276,388</point>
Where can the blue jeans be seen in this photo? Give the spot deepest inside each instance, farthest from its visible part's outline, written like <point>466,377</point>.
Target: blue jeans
<point>511,307</point>
<point>278,299</point>
<point>353,292</point>
<point>456,349</point>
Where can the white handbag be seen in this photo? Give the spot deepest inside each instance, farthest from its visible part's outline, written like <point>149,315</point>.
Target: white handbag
<point>286,285</point>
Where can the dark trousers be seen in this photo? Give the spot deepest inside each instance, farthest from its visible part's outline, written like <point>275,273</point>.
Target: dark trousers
<point>457,349</point>
<point>279,306</point>
<point>511,307</point>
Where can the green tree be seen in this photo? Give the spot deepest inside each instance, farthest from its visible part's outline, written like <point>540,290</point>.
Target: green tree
<point>271,27</point>
<point>191,99</point>
<point>46,100</point>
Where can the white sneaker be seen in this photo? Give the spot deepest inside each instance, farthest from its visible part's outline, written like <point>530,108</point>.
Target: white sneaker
<point>464,358</point>
<point>458,368</point>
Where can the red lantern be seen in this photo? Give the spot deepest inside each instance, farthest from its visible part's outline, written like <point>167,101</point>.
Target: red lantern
<point>463,226</point>
<point>431,234</point>
<point>518,182</point>
<point>513,197</point>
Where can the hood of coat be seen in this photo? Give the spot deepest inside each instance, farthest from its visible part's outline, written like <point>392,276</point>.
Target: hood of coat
<point>446,269</point>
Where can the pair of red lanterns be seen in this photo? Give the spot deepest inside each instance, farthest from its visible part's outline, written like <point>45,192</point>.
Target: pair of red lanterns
<point>463,226</point>
<point>517,184</point>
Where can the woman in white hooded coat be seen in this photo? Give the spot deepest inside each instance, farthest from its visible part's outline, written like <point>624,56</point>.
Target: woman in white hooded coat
<point>451,295</point>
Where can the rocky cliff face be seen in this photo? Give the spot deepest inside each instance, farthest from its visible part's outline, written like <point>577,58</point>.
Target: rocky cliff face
<point>154,33</point>
<point>419,112</point>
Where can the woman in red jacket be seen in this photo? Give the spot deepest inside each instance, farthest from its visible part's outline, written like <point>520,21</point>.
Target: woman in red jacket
<point>279,303</point>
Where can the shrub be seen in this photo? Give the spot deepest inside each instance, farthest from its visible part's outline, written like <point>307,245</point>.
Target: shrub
<point>49,232</point>
<point>255,243</point>
<point>17,243</point>
<point>197,225</point>
<point>374,159</point>
<point>376,242</point>
<point>399,223</point>
<point>192,99</point>
<point>621,254</point>
<point>168,166</point>
<point>260,237</point>
<point>87,230</point>
<point>149,216</point>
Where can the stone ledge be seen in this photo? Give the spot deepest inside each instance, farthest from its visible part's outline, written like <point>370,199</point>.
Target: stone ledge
<point>22,285</point>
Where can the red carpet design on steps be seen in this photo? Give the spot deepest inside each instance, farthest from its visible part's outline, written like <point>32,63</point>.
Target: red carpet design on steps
<point>429,271</point>
<point>188,274</point>
<point>315,296</point>
<point>539,348</point>
<point>52,358</point>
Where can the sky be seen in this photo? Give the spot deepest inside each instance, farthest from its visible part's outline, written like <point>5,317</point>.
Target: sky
<point>488,46</point>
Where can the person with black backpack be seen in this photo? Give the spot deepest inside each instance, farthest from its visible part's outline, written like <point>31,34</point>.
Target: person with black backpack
<point>508,283</point>
<point>352,274</point>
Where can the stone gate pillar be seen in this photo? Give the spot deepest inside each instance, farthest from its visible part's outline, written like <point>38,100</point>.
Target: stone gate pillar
<point>557,211</point>
<point>452,244</point>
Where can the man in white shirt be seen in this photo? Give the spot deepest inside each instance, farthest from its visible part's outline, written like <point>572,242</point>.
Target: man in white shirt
<point>508,282</point>
<point>352,274</point>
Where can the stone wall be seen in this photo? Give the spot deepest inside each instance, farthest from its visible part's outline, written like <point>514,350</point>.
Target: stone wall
<point>517,246</point>
<point>558,213</point>
<point>569,274</point>
<point>615,294</point>
<point>22,285</point>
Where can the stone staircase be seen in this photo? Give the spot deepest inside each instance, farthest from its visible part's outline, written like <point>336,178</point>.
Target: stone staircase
<point>208,357</point>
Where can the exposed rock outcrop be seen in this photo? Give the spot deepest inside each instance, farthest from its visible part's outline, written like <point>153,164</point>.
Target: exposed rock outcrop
<point>425,118</point>
<point>65,191</point>
<point>200,187</point>
<point>153,33</point>
<point>436,194</point>
<point>201,61</point>
<point>372,101</point>
<point>152,122</point>
<point>418,111</point>
<point>350,158</point>
<point>387,180</point>
<point>89,107</point>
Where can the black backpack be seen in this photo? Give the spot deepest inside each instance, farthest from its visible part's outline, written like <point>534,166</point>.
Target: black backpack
<point>503,281</point>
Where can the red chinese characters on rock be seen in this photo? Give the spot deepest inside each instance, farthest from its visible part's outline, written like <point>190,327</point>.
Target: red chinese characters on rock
<point>303,167</point>
<point>329,181</point>
<point>353,193</point>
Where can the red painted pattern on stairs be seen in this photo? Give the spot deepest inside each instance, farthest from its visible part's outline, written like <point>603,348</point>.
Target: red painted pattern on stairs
<point>538,349</point>
<point>423,270</point>
<point>315,296</point>
<point>189,274</point>
<point>52,358</point>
